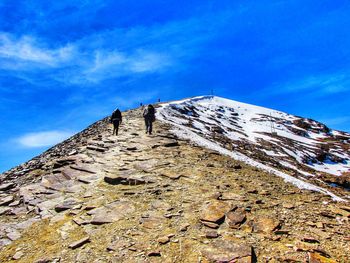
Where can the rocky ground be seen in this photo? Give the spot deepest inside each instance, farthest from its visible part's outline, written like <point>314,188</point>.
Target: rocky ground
<point>156,198</point>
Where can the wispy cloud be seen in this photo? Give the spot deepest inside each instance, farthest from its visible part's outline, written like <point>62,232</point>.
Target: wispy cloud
<point>112,53</point>
<point>116,64</point>
<point>25,52</point>
<point>42,139</point>
<point>74,65</point>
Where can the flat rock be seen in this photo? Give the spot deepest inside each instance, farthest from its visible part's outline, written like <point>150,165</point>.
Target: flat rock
<point>88,179</point>
<point>70,173</point>
<point>95,148</point>
<point>83,169</point>
<point>226,196</point>
<point>235,218</point>
<point>171,143</point>
<point>214,211</point>
<point>265,225</point>
<point>133,148</point>
<point>79,243</point>
<point>310,239</point>
<point>210,224</point>
<point>127,179</point>
<point>6,200</point>
<point>211,234</point>
<point>161,205</point>
<point>46,260</point>
<point>152,221</point>
<point>154,254</point>
<point>318,258</point>
<point>13,235</point>
<point>111,213</point>
<point>15,203</point>
<point>119,244</point>
<point>163,240</point>
<point>346,208</point>
<point>184,227</point>
<point>8,186</point>
<point>49,204</point>
<point>4,210</point>
<point>288,206</point>
<point>228,251</point>
<point>62,181</point>
<point>171,175</point>
<point>67,204</point>
<point>18,255</point>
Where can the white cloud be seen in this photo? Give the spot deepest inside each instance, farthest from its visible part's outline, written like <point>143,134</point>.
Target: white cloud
<point>79,62</point>
<point>27,51</point>
<point>148,62</point>
<point>43,139</point>
<point>113,64</point>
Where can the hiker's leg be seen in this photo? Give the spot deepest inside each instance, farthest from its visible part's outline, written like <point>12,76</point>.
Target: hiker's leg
<point>150,127</point>
<point>117,128</point>
<point>146,124</point>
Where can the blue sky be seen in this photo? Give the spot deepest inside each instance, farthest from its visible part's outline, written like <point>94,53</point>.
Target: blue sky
<point>65,64</point>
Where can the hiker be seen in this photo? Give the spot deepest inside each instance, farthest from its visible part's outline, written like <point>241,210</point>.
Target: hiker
<point>116,119</point>
<point>149,116</point>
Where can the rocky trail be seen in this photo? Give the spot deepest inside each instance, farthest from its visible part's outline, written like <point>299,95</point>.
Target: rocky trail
<point>156,198</point>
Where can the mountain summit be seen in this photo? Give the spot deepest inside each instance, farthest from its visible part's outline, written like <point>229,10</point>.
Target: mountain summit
<point>218,181</point>
<point>272,140</point>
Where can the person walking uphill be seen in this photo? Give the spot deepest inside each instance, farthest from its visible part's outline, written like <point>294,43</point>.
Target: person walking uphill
<point>149,116</point>
<point>116,119</point>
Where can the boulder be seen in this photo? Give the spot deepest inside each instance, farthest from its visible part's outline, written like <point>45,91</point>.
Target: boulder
<point>235,218</point>
<point>265,225</point>
<point>215,211</point>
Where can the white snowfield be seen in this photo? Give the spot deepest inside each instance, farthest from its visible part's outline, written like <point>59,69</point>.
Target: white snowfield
<point>204,119</point>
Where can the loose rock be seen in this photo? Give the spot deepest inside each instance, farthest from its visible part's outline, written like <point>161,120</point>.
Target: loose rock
<point>215,212</point>
<point>79,243</point>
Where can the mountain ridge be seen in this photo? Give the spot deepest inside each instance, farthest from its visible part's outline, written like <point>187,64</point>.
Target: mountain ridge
<point>162,198</point>
<point>284,141</point>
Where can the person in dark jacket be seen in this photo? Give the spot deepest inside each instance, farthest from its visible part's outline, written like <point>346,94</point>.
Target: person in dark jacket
<point>149,116</point>
<point>116,119</point>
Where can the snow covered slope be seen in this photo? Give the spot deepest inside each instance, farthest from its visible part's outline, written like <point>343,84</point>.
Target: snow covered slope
<point>302,147</point>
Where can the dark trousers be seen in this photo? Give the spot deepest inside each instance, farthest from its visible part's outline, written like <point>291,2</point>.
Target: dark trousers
<point>116,126</point>
<point>148,123</point>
